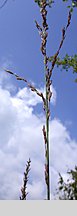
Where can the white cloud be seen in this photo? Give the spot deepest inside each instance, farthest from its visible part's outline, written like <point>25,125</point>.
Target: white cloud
<point>36,188</point>
<point>31,99</point>
<point>21,138</point>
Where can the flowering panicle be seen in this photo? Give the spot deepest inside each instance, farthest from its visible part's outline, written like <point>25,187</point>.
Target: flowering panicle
<point>25,181</point>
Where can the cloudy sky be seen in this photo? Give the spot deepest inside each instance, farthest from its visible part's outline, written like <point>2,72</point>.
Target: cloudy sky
<point>21,113</point>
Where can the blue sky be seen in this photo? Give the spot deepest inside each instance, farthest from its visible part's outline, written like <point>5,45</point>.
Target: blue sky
<point>20,52</point>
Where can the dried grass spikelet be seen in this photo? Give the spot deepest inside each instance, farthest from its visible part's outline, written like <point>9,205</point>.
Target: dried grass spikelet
<point>25,181</point>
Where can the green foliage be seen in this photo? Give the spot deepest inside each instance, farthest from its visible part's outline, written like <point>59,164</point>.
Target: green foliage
<point>48,2</point>
<point>72,5</point>
<point>65,0</point>
<point>66,63</point>
<point>38,2</point>
<point>68,190</point>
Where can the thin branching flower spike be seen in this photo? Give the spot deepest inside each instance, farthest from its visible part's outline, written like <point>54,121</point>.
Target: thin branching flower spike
<point>24,192</point>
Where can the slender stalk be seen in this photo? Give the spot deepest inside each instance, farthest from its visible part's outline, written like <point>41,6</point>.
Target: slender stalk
<point>47,89</point>
<point>44,35</point>
<point>47,156</point>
